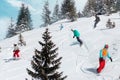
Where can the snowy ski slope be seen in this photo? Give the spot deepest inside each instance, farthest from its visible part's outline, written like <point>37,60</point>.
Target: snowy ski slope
<point>77,63</point>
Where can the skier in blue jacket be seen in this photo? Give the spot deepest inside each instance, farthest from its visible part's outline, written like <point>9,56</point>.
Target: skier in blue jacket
<point>77,35</point>
<point>61,27</point>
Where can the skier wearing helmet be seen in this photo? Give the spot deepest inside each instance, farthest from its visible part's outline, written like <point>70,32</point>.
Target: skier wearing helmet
<point>103,54</point>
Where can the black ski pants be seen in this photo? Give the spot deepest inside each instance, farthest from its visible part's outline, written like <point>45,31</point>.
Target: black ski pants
<point>96,22</point>
<point>79,40</point>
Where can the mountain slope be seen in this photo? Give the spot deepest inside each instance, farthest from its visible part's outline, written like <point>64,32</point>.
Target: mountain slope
<point>78,63</point>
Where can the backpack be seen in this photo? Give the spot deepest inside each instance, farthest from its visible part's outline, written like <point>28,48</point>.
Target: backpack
<point>104,52</point>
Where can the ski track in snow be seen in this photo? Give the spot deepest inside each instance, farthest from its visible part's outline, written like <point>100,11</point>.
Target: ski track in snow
<point>101,77</point>
<point>93,74</point>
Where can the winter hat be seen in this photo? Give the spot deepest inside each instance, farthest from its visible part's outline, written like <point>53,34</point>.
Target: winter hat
<point>106,46</point>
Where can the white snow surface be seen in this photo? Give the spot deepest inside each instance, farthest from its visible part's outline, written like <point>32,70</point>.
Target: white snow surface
<point>78,63</point>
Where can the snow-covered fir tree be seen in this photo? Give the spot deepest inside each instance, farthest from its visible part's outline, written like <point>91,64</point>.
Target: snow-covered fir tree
<point>89,8</point>
<point>118,5</point>
<point>28,19</point>
<point>99,7</point>
<point>68,9</point>
<point>109,6</point>
<point>93,7</point>
<point>72,13</point>
<point>11,29</point>
<point>46,14</point>
<point>56,13</point>
<point>45,62</point>
<point>24,22</point>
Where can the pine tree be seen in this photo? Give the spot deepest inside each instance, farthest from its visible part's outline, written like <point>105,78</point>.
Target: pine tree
<point>28,19</point>
<point>110,6</point>
<point>24,22</point>
<point>72,13</point>
<point>118,5</point>
<point>11,30</point>
<point>68,9</point>
<point>65,8</point>
<point>89,9</point>
<point>93,7</point>
<point>56,13</point>
<point>45,62</point>
<point>46,14</point>
<point>99,7</point>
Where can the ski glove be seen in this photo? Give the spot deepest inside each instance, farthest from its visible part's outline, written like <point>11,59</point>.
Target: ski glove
<point>73,36</point>
<point>110,59</point>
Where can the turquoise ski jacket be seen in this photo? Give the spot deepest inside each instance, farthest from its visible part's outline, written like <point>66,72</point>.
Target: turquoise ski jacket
<point>104,57</point>
<point>76,33</point>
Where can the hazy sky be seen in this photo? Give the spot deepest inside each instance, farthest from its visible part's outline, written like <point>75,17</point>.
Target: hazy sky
<point>10,8</point>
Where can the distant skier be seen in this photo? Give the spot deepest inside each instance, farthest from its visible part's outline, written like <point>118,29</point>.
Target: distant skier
<point>97,19</point>
<point>77,35</point>
<point>61,27</point>
<point>103,54</point>
<point>16,51</point>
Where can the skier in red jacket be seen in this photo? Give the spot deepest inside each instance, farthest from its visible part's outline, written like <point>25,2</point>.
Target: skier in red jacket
<point>103,54</point>
<point>16,51</point>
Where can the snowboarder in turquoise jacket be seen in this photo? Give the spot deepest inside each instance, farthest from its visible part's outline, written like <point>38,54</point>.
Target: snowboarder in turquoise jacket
<point>77,35</point>
<point>103,54</point>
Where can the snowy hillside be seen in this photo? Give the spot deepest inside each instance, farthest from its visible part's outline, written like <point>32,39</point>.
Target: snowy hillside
<point>77,63</point>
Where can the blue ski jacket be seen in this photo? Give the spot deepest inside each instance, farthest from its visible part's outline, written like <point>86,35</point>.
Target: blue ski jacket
<point>76,33</point>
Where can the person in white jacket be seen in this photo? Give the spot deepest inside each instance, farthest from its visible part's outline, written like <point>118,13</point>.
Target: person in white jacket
<point>16,51</point>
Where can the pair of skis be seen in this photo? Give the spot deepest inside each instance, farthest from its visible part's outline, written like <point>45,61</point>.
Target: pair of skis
<point>11,59</point>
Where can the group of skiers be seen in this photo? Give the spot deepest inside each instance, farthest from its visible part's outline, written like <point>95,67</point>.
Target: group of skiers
<point>103,52</point>
<point>102,55</point>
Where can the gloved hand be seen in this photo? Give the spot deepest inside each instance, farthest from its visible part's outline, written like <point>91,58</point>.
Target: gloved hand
<point>110,59</point>
<point>73,36</point>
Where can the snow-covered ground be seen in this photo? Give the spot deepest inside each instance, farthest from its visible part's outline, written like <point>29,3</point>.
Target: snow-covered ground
<point>78,63</point>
